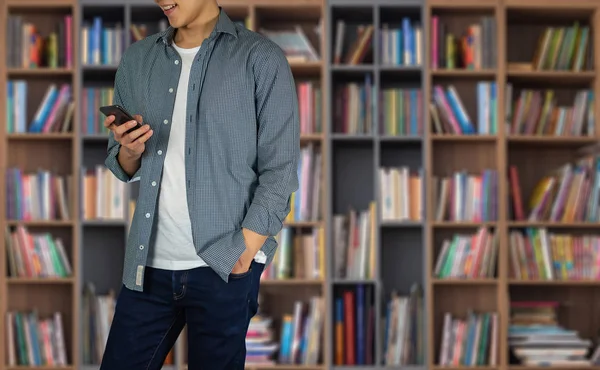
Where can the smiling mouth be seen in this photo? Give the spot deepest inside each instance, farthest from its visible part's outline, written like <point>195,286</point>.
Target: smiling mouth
<point>168,7</point>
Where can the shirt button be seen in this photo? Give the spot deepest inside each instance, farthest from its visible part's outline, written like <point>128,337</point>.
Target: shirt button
<point>166,121</point>
<point>176,62</point>
<point>141,247</point>
<point>153,183</point>
<point>171,90</point>
<point>159,152</point>
<point>147,215</point>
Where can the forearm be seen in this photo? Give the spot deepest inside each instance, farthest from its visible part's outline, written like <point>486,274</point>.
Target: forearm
<point>130,164</point>
<point>254,241</point>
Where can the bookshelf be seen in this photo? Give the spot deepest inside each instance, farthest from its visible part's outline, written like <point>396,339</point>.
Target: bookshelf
<point>386,157</point>
<point>375,159</point>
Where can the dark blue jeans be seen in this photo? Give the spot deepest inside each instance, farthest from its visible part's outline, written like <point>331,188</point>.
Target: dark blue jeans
<point>146,324</point>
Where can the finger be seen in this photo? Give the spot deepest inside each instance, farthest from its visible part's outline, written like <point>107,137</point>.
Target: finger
<point>108,121</point>
<point>142,139</point>
<point>138,145</point>
<point>138,118</point>
<point>122,129</point>
<point>135,134</point>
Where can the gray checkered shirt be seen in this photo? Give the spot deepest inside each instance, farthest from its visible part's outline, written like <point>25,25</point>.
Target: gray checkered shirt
<point>242,141</point>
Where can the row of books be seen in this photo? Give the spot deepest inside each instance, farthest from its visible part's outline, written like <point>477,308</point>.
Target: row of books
<point>570,193</point>
<point>43,195</point>
<point>402,46</point>
<point>54,114</point>
<point>468,256</point>
<point>103,195</point>
<point>92,98</point>
<point>401,194</point>
<point>401,112</point>
<point>28,47</point>
<point>537,112</point>
<point>472,341</point>
<point>464,197</point>
<point>101,44</point>
<point>298,256</point>
<point>302,333</point>
<point>300,43</point>
<point>538,254</point>
<point>404,330</point>
<point>354,325</point>
<point>35,340</point>
<point>564,48</point>
<point>354,244</point>
<point>356,48</point>
<point>92,120</point>
<point>532,112</point>
<point>475,48</point>
<point>449,115</point>
<point>354,107</point>
<point>307,202</point>
<point>310,106</point>
<point>36,254</point>
<point>104,44</point>
<point>39,195</point>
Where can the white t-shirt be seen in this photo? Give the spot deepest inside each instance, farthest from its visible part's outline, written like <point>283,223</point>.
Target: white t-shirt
<point>174,246</point>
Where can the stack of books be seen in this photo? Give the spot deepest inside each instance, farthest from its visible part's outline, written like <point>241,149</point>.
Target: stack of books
<point>536,338</point>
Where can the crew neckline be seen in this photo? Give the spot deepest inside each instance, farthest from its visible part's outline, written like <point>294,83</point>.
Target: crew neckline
<point>186,51</point>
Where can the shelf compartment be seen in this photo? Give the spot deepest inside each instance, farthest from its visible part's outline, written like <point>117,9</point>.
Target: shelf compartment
<point>576,307</point>
<point>477,299</point>
<point>529,24</point>
<point>449,264</point>
<point>350,18</point>
<point>453,21</point>
<point>525,161</point>
<point>404,22</point>
<point>352,179</point>
<point>46,300</point>
<point>18,262</point>
<point>103,252</point>
<point>351,95</point>
<point>400,249</point>
<point>401,100</point>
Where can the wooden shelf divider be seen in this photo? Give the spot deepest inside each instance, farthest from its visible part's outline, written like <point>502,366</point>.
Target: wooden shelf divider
<point>401,250</point>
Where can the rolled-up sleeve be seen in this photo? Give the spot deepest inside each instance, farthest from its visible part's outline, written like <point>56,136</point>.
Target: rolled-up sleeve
<point>278,142</point>
<point>122,97</point>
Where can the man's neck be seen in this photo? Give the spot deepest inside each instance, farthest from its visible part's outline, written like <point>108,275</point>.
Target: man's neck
<point>194,33</point>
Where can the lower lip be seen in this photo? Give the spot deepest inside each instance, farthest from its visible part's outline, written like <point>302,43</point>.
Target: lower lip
<point>170,11</point>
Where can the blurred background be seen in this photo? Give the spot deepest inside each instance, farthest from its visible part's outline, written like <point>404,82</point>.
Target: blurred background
<point>447,214</point>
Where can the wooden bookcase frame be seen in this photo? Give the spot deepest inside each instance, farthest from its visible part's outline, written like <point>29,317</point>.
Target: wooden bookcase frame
<point>420,238</point>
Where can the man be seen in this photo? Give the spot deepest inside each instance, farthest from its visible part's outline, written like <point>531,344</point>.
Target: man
<point>216,158</point>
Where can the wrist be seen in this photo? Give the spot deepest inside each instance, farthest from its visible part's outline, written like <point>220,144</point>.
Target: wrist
<point>128,155</point>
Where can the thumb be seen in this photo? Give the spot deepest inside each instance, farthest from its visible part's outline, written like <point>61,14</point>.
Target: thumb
<point>138,118</point>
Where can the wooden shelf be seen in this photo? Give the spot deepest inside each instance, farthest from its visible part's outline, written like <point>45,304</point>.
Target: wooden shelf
<point>43,72</point>
<point>45,280</point>
<point>405,252</point>
<point>43,136</point>
<point>457,72</point>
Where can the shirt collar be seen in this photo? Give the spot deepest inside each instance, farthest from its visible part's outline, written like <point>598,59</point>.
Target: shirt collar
<point>224,25</point>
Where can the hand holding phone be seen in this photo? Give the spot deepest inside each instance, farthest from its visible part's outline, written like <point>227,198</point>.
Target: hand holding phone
<point>128,130</point>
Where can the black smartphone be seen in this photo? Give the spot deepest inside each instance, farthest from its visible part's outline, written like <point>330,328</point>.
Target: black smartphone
<point>121,115</point>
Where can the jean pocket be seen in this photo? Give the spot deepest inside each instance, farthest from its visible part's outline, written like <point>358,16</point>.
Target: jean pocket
<point>242,275</point>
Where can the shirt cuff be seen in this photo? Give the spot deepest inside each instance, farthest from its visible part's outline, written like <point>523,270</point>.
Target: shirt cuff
<point>259,220</point>
<point>112,163</point>
<point>224,253</point>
